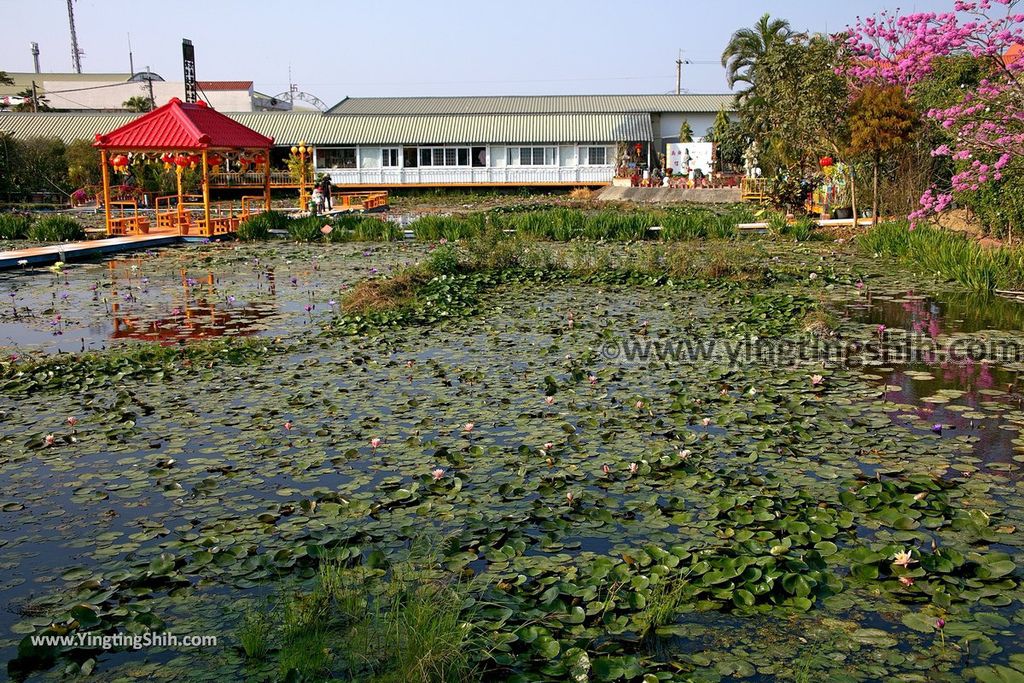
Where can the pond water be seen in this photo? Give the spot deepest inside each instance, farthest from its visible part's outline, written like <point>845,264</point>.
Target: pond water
<point>237,470</point>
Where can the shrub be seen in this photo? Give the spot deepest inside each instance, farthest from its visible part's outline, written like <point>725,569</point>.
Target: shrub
<point>444,260</point>
<point>305,229</point>
<point>255,228</point>
<point>56,229</point>
<point>14,226</point>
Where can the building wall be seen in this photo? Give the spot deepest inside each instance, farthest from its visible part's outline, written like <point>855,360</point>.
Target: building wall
<point>564,164</point>
<point>668,127</point>
<point>102,96</point>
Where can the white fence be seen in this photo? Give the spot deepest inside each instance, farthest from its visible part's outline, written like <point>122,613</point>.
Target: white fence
<point>514,175</point>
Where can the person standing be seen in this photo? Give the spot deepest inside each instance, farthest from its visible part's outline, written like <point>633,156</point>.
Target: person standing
<point>325,190</point>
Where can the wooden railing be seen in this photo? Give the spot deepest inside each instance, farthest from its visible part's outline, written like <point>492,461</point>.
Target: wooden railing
<point>754,190</point>
<point>251,179</point>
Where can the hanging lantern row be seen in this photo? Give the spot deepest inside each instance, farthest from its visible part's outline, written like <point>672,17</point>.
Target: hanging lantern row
<point>181,160</point>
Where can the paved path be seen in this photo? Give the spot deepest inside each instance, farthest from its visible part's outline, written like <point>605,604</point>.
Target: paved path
<point>78,251</point>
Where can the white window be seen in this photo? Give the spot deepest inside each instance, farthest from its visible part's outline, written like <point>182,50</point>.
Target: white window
<point>597,156</point>
<point>444,156</point>
<point>389,157</point>
<point>531,156</point>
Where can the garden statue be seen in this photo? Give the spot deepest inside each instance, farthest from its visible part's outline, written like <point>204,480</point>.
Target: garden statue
<point>750,159</point>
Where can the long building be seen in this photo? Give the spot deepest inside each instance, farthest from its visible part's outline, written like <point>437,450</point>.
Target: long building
<point>451,141</point>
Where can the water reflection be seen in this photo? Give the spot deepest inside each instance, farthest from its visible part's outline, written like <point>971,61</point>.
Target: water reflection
<point>968,398</point>
<point>945,313</point>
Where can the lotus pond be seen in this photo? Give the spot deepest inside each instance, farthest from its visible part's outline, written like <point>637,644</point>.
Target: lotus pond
<point>238,453</point>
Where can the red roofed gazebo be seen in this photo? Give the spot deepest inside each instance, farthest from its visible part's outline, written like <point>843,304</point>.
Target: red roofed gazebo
<point>180,135</point>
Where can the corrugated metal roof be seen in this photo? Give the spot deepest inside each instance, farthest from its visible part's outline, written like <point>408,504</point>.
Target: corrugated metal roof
<point>533,104</point>
<point>181,125</point>
<point>288,128</point>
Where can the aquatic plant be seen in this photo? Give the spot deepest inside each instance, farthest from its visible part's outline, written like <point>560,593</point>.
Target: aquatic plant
<point>56,229</point>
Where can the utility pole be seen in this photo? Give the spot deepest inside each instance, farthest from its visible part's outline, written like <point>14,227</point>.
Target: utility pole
<point>76,54</point>
<point>149,80</point>
<point>679,76</point>
<point>35,99</point>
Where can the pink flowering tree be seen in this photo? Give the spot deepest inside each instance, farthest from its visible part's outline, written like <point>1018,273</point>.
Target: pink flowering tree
<point>985,128</point>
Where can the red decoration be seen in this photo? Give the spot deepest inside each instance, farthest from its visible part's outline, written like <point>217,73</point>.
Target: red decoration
<point>826,162</point>
<point>215,160</point>
<point>182,160</point>
<point>259,159</point>
<point>119,162</point>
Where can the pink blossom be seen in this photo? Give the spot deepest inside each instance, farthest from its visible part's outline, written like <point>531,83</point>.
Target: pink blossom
<point>437,474</point>
<point>375,442</point>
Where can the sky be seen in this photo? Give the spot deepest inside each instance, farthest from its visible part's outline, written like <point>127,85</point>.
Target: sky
<point>405,48</point>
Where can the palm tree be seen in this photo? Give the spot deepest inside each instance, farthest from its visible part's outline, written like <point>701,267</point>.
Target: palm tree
<point>748,45</point>
<point>137,103</point>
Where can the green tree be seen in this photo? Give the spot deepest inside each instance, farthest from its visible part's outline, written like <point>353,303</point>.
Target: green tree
<point>685,132</point>
<point>881,121</point>
<point>5,79</point>
<point>730,141</point>
<point>83,164</point>
<point>748,45</point>
<point>137,103</point>
<point>798,108</point>
<point>35,165</point>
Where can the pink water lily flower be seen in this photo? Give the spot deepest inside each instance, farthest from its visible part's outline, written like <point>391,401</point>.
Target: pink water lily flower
<point>639,405</point>
<point>706,421</point>
<point>72,421</point>
<point>288,425</point>
<point>550,400</point>
<point>548,446</point>
<point>468,427</point>
<point>437,474</point>
<point>633,467</point>
<point>375,442</point>
<point>816,380</point>
<point>606,470</point>
<point>907,581</point>
<point>570,497</point>
<point>685,454</point>
<point>592,379</point>
<point>49,439</point>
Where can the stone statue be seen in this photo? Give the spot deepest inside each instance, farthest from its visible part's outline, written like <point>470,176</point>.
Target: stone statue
<point>750,159</point>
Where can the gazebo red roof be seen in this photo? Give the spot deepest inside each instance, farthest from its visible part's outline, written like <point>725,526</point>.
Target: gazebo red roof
<point>180,126</point>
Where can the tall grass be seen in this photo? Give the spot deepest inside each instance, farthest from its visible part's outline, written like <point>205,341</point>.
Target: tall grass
<point>948,255</point>
<point>14,226</point>
<point>56,229</point>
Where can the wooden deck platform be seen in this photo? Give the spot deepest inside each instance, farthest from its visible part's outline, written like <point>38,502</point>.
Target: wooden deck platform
<point>80,251</point>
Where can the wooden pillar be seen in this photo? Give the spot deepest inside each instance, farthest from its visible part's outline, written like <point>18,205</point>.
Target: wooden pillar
<point>105,169</point>
<point>178,170</point>
<point>266,179</point>
<point>206,195</point>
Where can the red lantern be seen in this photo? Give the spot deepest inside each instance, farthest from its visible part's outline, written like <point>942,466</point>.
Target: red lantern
<point>215,160</point>
<point>259,159</point>
<point>826,162</point>
<point>182,160</point>
<point>119,162</point>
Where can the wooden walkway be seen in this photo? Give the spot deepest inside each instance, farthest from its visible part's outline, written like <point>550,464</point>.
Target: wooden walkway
<point>80,251</point>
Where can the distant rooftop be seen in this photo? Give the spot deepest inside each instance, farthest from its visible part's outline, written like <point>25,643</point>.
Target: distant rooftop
<point>532,104</point>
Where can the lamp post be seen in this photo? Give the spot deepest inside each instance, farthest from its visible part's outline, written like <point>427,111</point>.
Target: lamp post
<point>301,152</point>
